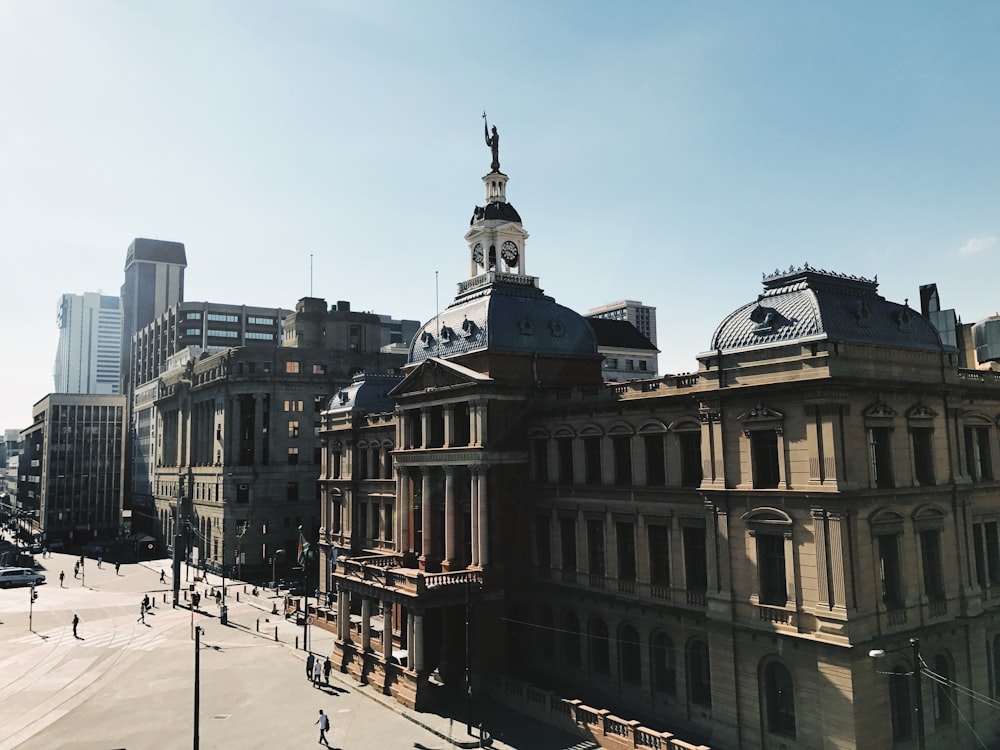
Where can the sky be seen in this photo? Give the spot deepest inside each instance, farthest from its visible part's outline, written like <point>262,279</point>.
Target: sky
<point>668,152</point>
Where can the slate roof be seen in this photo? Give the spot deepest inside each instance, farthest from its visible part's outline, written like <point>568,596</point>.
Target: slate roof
<point>619,334</point>
<point>367,393</point>
<point>503,313</point>
<point>808,304</point>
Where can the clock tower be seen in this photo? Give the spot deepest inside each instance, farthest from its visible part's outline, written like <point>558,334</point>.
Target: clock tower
<point>496,238</point>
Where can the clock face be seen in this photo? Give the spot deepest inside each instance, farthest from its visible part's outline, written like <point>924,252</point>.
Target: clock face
<point>477,253</point>
<point>509,253</point>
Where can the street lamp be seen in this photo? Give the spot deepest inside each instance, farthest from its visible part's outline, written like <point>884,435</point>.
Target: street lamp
<point>274,568</point>
<point>197,681</point>
<point>916,667</point>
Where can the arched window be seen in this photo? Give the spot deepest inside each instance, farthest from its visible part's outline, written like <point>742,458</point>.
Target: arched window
<point>628,655</point>
<point>664,665</point>
<point>943,692</point>
<point>597,636</point>
<point>779,699</point>
<point>699,674</point>
<point>571,639</point>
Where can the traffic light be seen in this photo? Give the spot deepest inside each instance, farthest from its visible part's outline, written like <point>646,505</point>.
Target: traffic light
<point>34,594</point>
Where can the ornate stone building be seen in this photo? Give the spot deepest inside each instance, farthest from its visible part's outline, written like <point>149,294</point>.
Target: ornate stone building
<point>715,554</point>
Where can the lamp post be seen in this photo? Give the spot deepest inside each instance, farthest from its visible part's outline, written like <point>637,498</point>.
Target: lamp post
<point>274,568</point>
<point>915,673</point>
<point>197,682</point>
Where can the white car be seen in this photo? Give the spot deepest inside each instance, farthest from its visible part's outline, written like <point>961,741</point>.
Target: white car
<point>19,577</point>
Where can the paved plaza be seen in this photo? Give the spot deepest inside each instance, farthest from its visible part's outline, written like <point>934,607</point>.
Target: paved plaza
<point>123,683</point>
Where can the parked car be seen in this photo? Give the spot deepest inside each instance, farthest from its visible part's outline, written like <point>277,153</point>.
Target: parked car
<point>19,577</point>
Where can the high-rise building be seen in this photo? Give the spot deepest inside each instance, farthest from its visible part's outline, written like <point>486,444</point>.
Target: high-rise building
<point>72,467</point>
<point>641,316</point>
<point>154,282</point>
<point>88,356</point>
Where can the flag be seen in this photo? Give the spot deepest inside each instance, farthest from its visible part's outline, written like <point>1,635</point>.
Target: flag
<point>303,549</point>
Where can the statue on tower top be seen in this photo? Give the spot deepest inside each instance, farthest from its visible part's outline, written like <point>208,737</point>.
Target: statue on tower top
<point>494,143</point>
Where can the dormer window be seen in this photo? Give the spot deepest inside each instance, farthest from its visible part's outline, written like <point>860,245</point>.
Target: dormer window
<point>469,328</point>
<point>427,339</point>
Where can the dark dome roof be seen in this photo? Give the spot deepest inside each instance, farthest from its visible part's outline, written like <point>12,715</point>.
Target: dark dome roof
<point>808,304</point>
<point>503,313</point>
<point>499,211</point>
<point>367,393</point>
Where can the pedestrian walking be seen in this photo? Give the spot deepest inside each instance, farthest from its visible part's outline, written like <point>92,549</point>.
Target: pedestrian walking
<point>142,613</point>
<point>76,570</point>
<point>310,660</point>
<point>100,561</point>
<point>163,574</point>
<point>317,673</point>
<point>145,602</point>
<point>327,668</point>
<point>117,566</point>
<point>62,576</point>
<point>324,725</point>
<point>76,621</point>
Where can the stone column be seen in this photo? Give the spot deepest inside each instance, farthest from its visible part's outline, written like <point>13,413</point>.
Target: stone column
<point>450,521</point>
<point>448,413</point>
<point>484,520</point>
<point>427,516</point>
<point>416,657</point>
<point>366,624</point>
<point>425,426</point>
<point>484,433</point>
<point>343,616</point>
<point>404,505</point>
<point>474,496</point>
<point>410,619</point>
<point>386,629</point>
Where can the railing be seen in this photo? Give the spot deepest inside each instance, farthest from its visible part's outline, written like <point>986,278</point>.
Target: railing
<point>569,576</point>
<point>388,570</point>
<point>596,724</point>
<point>697,598</point>
<point>774,614</point>
<point>660,591</point>
<point>626,586</point>
<point>896,616</point>
<point>596,580</point>
<point>938,608</point>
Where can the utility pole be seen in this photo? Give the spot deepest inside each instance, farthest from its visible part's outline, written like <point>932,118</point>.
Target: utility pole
<point>918,703</point>
<point>197,682</point>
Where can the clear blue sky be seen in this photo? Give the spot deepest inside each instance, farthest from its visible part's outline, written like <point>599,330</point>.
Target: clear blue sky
<point>669,152</point>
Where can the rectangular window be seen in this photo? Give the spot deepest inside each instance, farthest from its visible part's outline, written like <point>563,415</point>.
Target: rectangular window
<point>221,318</point>
<point>291,367</point>
<point>930,553</point>
<point>293,428</point>
<point>629,364</point>
<point>658,536</point>
<point>565,460</point>
<point>388,523</point>
<point>540,448</point>
<point>695,559</point>
<point>567,539</point>
<point>192,332</point>
<point>595,547</point>
<point>292,492</point>
<point>543,553</point>
<point>376,520</point>
<point>319,369</point>
<point>592,460</point>
<point>987,552</point>
<point>771,569</point>
<point>293,406</point>
<point>335,460</point>
<point>255,321</point>
<point>223,334</point>
<point>764,455</point>
<point>923,455</point>
<point>889,572</point>
<point>978,460</point>
<point>656,473</point>
<point>259,336</point>
<point>293,456</point>
<point>623,460</point>
<point>690,446</point>
<point>880,448</point>
<point>625,534</point>
<point>242,492</point>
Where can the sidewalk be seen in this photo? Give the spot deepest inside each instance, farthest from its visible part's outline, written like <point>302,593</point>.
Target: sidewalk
<point>504,726</point>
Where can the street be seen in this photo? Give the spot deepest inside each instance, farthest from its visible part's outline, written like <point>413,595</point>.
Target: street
<point>123,683</point>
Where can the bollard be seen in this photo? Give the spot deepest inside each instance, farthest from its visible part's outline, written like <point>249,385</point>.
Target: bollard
<point>258,624</point>
<point>296,643</point>
<point>275,632</point>
<point>185,595</point>
<point>244,588</point>
<point>237,596</point>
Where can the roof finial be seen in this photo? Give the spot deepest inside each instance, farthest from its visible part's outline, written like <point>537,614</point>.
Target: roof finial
<point>493,142</point>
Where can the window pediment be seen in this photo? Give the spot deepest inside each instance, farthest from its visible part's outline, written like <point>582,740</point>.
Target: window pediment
<point>761,417</point>
<point>921,411</point>
<point>685,424</point>
<point>763,518</point>
<point>878,410</point>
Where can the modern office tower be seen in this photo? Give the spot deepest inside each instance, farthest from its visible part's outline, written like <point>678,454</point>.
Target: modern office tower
<point>154,282</point>
<point>71,470</point>
<point>88,356</point>
<point>641,316</point>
